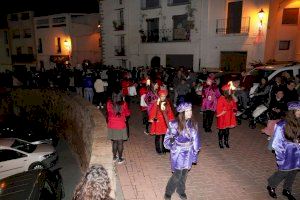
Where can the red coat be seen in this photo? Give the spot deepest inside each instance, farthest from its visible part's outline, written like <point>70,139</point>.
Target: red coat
<point>114,121</point>
<point>160,126</point>
<point>228,119</point>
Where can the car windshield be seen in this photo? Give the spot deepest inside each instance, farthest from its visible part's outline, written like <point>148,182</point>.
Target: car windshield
<point>23,146</point>
<point>258,74</point>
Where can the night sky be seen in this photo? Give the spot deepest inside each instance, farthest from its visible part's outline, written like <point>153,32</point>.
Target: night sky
<point>46,7</point>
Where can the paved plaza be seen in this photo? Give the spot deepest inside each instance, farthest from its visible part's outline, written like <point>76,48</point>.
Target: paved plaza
<point>238,173</point>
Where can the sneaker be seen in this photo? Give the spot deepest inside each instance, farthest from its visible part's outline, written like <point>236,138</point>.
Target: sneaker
<point>183,196</point>
<point>121,160</point>
<point>98,107</point>
<point>102,107</point>
<point>146,133</point>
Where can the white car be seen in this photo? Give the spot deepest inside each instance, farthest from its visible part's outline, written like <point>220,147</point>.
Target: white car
<point>18,156</point>
<point>271,72</point>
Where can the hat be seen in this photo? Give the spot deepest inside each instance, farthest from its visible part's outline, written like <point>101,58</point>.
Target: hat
<point>184,106</point>
<point>294,105</point>
<point>163,92</point>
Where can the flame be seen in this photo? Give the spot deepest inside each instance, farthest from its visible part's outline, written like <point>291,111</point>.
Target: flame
<point>231,86</point>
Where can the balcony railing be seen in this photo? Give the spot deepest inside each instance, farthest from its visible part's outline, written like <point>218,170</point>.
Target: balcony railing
<point>233,26</point>
<point>26,58</point>
<point>119,51</point>
<point>118,25</point>
<point>165,35</point>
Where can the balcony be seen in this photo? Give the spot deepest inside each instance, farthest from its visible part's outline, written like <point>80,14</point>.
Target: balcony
<point>118,25</point>
<point>165,35</point>
<point>23,58</point>
<point>233,26</point>
<point>119,51</point>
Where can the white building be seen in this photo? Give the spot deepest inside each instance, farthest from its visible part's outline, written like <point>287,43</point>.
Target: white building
<point>67,38</point>
<point>223,34</point>
<point>21,40</point>
<point>5,57</point>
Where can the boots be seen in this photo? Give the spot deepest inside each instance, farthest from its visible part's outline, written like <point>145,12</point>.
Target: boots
<point>220,134</point>
<point>226,137</point>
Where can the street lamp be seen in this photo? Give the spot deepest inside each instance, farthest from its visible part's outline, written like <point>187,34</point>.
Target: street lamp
<point>261,15</point>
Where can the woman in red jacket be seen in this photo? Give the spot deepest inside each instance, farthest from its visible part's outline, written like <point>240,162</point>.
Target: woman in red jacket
<point>226,110</point>
<point>159,115</point>
<point>117,111</point>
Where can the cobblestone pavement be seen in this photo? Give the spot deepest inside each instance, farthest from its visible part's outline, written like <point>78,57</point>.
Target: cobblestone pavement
<point>237,173</point>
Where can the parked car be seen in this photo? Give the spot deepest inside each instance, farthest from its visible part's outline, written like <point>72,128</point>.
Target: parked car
<point>39,184</point>
<point>15,127</point>
<point>271,72</point>
<point>18,156</point>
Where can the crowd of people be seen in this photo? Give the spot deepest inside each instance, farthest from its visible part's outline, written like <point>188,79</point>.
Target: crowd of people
<point>166,98</point>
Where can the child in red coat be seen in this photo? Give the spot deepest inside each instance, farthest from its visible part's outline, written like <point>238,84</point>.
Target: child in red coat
<point>226,110</point>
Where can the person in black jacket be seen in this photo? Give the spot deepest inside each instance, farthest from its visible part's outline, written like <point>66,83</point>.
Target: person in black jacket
<point>277,106</point>
<point>290,92</point>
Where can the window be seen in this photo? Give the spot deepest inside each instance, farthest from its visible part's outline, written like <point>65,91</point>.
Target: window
<point>27,33</point>
<point>284,45</point>
<point>5,37</point>
<point>178,2</point>
<point>120,2</point>
<point>153,30</point>
<point>290,16</point>
<point>40,46</point>
<point>15,33</point>
<point>6,155</point>
<point>14,17</point>
<point>19,50</point>
<point>180,27</point>
<point>234,17</point>
<point>58,45</point>
<point>30,50</point>
<point>7,52</point>
<point>25,16</point>
<point>149,4</point>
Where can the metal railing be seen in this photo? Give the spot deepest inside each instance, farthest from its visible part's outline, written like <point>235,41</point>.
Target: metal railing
<point>119,51</point>
<point>165,35</point>
<point>118,25</point>
<point>178,2</point>
<point>233,26</point>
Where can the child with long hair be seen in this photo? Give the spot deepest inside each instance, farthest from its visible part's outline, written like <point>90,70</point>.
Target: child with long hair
<point>117,111</point>
<point>286,144</point>
<point>183,141</point>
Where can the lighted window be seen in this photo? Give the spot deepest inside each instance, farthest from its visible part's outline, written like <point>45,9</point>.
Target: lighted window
<point>284,45</point>
<point>290,16</point>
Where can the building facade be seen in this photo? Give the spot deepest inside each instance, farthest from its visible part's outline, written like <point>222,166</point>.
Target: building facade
<point>21,40</point>
<point>5,54</point>
<point>67,39</point>
<point>221,34</point>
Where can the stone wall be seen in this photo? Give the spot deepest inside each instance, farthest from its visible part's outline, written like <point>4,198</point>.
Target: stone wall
<point>78,121</point>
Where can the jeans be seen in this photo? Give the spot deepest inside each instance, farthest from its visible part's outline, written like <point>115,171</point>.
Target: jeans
<point>287,176</point>
<point>89,94</point>
<point>177,182</point>
<point>79,91</point>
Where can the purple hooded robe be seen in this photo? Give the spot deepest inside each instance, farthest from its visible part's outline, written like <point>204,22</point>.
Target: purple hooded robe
<point>184,150</point>
<point>210,95</point>
<point>287,152</point>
